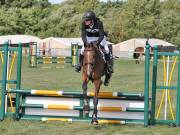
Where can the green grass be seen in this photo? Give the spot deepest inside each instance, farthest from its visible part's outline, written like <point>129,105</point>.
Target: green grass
<point>128,77</point>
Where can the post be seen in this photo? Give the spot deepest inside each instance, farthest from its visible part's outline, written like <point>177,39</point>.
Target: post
<point>146,86</point>
<point>154,81</point>
<point>72,57</point>
<point>77,54</point>
<point>4,81</point>
<point>178,94</point>
<point>18,86</point>
<point>32,54</point>
<point>74,54</point>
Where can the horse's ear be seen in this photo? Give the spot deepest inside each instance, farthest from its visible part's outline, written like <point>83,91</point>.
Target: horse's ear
<point>85,44</point>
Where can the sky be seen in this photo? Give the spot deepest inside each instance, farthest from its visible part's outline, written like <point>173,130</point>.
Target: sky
<point>55,1</point>
<point>59,1</point>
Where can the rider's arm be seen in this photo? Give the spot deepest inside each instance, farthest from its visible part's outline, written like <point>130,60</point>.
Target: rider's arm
<point>101,32</point>
<point>83,34</point>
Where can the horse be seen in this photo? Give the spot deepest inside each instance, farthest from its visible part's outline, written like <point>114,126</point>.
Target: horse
<point>139,51</point>
<point>138,54</point>
<point>93,69</point>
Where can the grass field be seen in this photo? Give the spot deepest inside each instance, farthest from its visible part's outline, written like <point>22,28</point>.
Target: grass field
<point>128,77</point>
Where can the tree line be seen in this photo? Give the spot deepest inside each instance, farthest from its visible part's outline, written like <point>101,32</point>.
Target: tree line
<point>122,20</point>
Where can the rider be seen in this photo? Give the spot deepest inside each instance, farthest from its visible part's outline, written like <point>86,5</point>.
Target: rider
<point>93,33</point>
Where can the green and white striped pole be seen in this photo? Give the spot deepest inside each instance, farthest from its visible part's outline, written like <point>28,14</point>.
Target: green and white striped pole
<point>154,81</point>
<point>146,87</point>
<point>4,81</point>
<point>178,94</point>
<point>18,86</point>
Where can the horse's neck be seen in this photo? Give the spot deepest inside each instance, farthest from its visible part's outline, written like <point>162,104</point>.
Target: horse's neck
<point>99,56</point>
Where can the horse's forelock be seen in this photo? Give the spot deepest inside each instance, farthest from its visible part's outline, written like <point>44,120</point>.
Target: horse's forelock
<point>90,48</point>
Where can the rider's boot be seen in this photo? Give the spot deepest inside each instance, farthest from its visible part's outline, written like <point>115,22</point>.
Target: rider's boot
<point>78,66</point>
<point>108,63</point>
<point>109,69</point>
<point>107,79</point>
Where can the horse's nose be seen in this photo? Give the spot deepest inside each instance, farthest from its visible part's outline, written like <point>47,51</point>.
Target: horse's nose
<point>89,74</point>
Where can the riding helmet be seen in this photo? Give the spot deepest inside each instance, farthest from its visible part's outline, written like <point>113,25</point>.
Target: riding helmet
<point>89,15</point>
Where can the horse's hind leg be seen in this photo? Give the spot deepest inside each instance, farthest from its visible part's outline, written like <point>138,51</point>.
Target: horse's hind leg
<point>86,107</point>
<point>137,61</point>
<point>97,84</point>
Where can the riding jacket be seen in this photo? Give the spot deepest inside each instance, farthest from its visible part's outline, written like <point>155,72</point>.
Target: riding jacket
<point>96,30</point>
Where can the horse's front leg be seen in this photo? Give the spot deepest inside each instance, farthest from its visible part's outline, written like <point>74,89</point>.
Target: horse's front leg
<point>97,84</point>
<point>86,107</point>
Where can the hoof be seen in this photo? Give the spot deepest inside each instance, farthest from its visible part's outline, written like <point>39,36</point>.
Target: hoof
<point>172,124</point>
<point>86,109</point>
<point>94,121</point>
<point>84,86</point>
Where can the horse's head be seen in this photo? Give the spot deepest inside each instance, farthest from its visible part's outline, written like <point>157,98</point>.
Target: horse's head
<point>89,59</point>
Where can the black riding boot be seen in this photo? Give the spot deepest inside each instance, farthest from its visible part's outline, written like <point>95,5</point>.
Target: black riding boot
<point>78,66</point>
<point>108,64</point>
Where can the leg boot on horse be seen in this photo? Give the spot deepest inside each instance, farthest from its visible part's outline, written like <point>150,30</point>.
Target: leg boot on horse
<point>97,84</point>
<point>86,107</point>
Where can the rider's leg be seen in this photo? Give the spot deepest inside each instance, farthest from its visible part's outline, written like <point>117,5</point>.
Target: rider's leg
<point>81,56</point>
<point>108,58</point>
<point>108,62</point>
<point>108,69</point>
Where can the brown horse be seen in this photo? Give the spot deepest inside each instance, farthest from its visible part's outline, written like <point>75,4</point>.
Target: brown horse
<point>138,53</point>
<point>93,70</point>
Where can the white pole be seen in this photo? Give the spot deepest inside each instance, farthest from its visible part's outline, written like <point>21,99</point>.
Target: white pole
<point>166,94</point>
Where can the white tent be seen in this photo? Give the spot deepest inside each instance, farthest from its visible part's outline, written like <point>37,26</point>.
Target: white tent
<point>53,42</point>
<point>15,39</point>
<point>126,48</point>
<point>59,46</point>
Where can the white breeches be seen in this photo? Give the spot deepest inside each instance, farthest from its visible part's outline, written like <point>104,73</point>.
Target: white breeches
<point>103,43</point>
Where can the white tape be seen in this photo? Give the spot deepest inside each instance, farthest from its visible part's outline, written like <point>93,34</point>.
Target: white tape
<point>60,93</point>
<point>33,91</point>
<point>115,94</point>
<point>45,106</point>
<point>44,119</point>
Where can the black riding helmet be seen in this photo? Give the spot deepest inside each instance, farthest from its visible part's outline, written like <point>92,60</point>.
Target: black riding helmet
<point>89,15</point>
